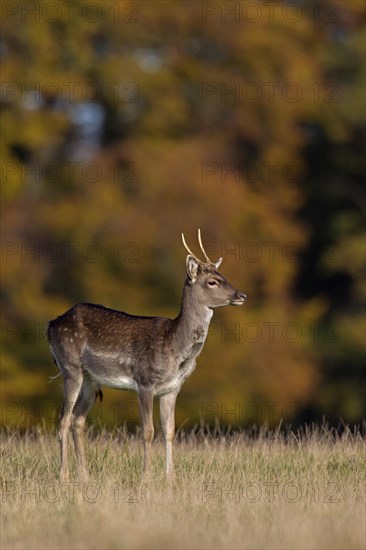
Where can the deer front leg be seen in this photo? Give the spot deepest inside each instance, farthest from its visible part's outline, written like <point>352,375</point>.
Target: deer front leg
<point>167,409</point>
<point>145,400</point>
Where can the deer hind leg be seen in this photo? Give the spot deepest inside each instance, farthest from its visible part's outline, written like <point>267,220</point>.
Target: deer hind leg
<point>85,401</point>
<point>72,385</point>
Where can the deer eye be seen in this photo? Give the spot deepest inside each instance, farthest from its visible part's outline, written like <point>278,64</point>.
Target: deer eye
<point>213,283</point>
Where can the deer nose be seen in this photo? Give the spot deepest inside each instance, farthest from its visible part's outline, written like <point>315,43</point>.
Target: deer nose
<point>238,299</point>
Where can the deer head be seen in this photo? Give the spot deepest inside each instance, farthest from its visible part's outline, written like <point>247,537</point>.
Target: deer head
<point>210,287</point>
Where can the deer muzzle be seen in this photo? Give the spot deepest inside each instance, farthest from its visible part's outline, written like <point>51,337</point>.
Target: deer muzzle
<point>238,299</point>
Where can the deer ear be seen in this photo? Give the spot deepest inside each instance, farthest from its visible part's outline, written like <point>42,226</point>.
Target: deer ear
<point>192,267</point>
<point>218,263</point>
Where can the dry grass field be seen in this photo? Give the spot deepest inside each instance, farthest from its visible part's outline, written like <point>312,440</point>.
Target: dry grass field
<point>297,491</point>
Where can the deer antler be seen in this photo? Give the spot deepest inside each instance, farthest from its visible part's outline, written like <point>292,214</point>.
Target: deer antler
<point>203,250</point>
<point>208,261</point>
<point>190,251</point>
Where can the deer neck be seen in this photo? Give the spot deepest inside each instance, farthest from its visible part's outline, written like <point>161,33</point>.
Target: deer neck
<point>192,322</point>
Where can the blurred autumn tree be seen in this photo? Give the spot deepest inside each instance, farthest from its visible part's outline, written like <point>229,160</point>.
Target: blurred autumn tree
<point>125,123</point>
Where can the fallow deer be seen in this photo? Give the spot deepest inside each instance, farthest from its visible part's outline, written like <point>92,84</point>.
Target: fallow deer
<point>94,346</point>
